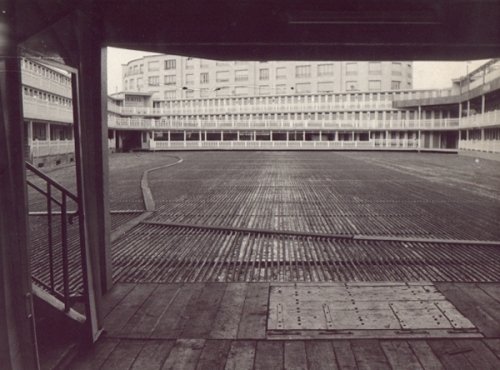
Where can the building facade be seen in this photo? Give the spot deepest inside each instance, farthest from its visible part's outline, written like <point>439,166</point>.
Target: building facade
<point>48,114</point>
<point>170,77</point>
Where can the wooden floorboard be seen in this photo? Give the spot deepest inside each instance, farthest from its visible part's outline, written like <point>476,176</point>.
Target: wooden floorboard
<point>241,355</point>
<point>153,354</point>
<point>320,355</point>
<point>345,356</point>
<point>254,315</point>
<point>226,322</point>
<point>202,310</point>
<point>115,296</point>
<point>478,354</point>
<point>295,357</point>
<point>493,289</point>
<point>400,355</point>
<point>184,355</point>
<point>124,355</point>
<point>494,345</point>
<point>269,355</point>
<point>425,355</point>
<point>94,357</point>
<point>369,355</point>
<point>214,355</point>
<point>451,356</point>
<point>173,320</point>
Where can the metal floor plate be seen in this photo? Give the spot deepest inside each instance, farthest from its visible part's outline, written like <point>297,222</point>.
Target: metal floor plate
<point>351,310</point>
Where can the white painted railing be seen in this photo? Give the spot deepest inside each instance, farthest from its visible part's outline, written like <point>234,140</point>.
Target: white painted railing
<point>480,145</point>
<point>43,83</point>
<point>166,124</point>
<point>481,120</point>
<point>41,148</point>
<point>34,108</point>
<point>277,145</point>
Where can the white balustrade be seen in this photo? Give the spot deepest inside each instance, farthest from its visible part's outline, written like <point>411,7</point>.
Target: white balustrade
<point>481,120</point>
<point>42,148</point>
<point>34,108</point>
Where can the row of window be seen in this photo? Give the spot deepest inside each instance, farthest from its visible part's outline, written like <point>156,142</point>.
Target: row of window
<point>45,72</point>
<point>41,130</point>
<point>47,97</point>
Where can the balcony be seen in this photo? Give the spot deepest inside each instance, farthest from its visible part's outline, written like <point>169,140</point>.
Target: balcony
<point>491,146</point>
<point>42,83</point>
<point>139,123</point>
<point>481,120</point>
<point>42,148</point>
<point>43,110</point>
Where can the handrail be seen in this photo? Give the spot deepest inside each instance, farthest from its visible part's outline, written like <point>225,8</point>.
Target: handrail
<point>65,217</point>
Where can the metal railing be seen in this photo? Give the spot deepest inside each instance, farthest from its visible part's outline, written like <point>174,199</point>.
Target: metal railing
<point>57,194</point>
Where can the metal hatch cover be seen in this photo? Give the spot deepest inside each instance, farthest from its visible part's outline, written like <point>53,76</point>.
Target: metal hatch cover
<point>363,310</point>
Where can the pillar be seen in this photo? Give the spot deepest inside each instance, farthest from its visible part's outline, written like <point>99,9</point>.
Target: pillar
<point>468,108</point>
<point>483,103</point>
<point>17,329</point>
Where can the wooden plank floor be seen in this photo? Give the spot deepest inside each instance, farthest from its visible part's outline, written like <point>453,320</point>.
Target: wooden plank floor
<point>223,326</point>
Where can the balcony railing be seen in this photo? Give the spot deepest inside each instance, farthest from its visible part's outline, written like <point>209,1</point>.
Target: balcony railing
<point>42,83</point>
<point>42,148</point>
<point>492,146</point>
<point>34,108</point>
<point>399,144</point>
<point>166,124</point>
<point>481,120</point>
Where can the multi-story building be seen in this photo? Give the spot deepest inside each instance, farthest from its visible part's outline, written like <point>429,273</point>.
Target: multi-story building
<point>48,114</point>
<point>170,77</point>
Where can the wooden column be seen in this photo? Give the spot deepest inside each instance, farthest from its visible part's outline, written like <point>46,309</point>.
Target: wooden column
<point>92,101</point>
<point>17,329</point>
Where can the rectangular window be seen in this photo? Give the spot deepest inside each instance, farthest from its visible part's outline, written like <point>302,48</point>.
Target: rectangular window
<point>204,93</point>
<point>153,66</point>
<point>241,75</point>
<point>204,78</point>
<point>139,83</point>
<point>170,94</point>
<point>303,88</point>
<point>189,79</point>
<point>280,73</point>
<point>325,70</point>
<point>170,64</point>
<point>351,69</point>
<point>189,63</point>
<point>326,86</point>
<point>281,89</point>
<point>169,80</point>
<point>241,90</point>
<point>264,90</point>
<point>154,80</point>
<point>264,74</point>
<point>302,71</point>
<point>222,76</point>
<point>395,85</point>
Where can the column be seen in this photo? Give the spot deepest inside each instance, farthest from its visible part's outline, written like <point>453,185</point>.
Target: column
<point>17,334</point>
<point>483,103</point>
<point>468,108</point>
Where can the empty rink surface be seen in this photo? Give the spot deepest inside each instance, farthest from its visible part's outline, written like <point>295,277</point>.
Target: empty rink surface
<point>260,199</point>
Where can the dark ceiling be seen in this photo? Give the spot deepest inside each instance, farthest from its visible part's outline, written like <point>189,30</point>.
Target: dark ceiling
<point>278,29</point>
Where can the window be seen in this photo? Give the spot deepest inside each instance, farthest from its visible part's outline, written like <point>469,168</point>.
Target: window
<point>170,64</point>
<point>189,63</point>
<point>303,88</point>
<point>241,75</point>
<point>222,76</point>
<point>204,93</point>
<point>326,86</point>
<point>281,89</point>
<point>302,71</point>
<point>189,93</point>
<point>132,84</point>
<point>264,74</point>
<point>223,91</point>
<point>264,90</point>
<point>204,78</point>
<point>139,83</point>
<point>153,80</point>
<point>351,69</point>
<point>395,85</point>
<point>325,70</point>
<point>351,85</point>
<point>204,63</point>
<point>169,80</point>
<point>153,66</point>
<point>189,79</point>
<point>396,69</point>
<point>170,94</point>
<point>374,85</point>
<point>241,90</point>
<point>374,68</point>
<point>280,73</point>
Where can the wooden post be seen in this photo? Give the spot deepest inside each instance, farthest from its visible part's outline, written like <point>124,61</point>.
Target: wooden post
<point>92,102</point>
<point>18,348</point>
